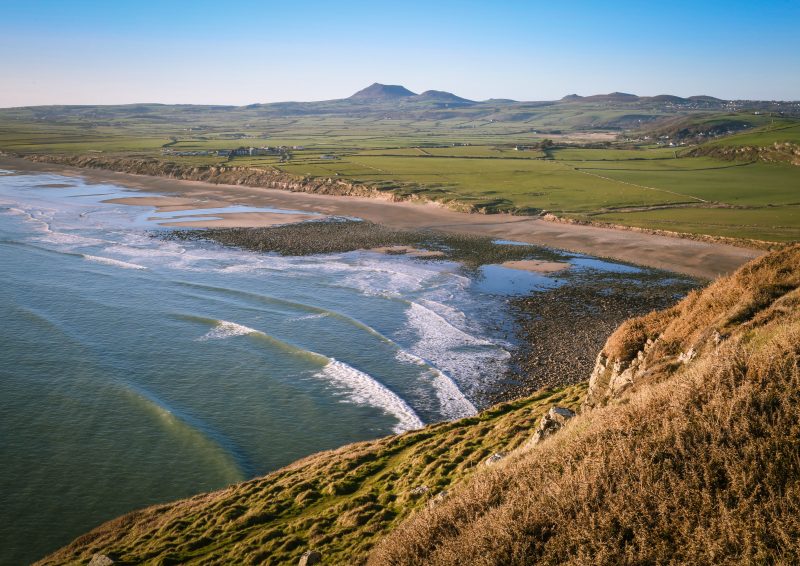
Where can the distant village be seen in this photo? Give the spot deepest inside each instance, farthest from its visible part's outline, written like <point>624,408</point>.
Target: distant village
<point>281,150</point>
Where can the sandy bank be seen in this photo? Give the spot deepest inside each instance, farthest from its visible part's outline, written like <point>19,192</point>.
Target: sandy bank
<point>239,220</point>
<point>407,250</point>
<point>698,259</point>
<point>168,204</point>
<point>536,265</point>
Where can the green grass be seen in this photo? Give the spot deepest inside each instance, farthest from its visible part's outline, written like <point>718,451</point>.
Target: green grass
<point>611,154</point>
<point>338,502</point>
<point>755,184</point>
<point>781,131</point>
<point>464,158</point>
<point>776,224</point>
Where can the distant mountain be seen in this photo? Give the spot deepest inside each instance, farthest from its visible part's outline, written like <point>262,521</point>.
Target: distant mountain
<point>377,91</point>
<point>668,98</point>
<point>611,97</point>
<point>442,96</point>
<point>706,98</point>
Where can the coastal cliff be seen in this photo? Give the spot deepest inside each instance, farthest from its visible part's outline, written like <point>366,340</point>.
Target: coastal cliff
<point>684,449</point>
<point>217,174</point>
<point>777,152</point>
<point>258,177</point>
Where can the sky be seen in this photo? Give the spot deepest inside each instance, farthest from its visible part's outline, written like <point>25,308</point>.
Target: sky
<point>243,52</point>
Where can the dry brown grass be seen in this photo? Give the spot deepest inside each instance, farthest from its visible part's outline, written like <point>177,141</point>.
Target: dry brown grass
<point>702,466</point>
<point>723,307</point>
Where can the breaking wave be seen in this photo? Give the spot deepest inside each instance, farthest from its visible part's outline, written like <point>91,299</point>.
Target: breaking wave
<point>358,387</point>
<point>363,389</point>
<point>452,402</point>
<point>114,262</point>
<point>225,329</point>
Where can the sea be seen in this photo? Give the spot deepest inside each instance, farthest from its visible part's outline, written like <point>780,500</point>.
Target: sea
<point>136,369</point>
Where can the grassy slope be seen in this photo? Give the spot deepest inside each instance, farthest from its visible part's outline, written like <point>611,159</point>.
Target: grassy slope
<point>339,502</point>
<point>698,463</point>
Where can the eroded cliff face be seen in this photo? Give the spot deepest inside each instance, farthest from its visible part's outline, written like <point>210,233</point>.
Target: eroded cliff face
<point>219,174</point>
<point>652,348</point>
<point>778,152</point>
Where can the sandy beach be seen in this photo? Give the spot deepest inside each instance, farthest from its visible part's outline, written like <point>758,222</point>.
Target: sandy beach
<point>699,259</point>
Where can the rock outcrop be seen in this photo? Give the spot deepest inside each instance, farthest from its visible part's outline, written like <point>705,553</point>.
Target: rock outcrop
<point>101,560</point>
<point>309,558</point>
<point>653,347</point>
<point>551,423</point>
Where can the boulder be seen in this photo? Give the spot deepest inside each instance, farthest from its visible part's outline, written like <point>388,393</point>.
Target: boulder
<point>552,422</point>
<point>309,558</point>
<point>494,458</point>
<point>420,490</point>
<point>438,498</point>
<point>100,560</point>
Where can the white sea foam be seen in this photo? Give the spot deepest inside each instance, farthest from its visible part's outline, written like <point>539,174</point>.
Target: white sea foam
<point>409,358</point>
<point>464,361</point>
<point>226,329</point>
<point>452,402</point>
<point>114,262</point>
<point>451,314</point>
<point>72,240</point>
<point>435,328</point>
<point>309,317</point>
<point>363,389</point>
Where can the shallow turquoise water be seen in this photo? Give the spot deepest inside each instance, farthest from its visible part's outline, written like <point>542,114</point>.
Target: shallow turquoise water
<point>135,370</point>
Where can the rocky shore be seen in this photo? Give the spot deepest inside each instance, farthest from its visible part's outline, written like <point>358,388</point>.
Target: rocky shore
<point>558,331</point>
<point>561,330</point>
<point>345,235</point>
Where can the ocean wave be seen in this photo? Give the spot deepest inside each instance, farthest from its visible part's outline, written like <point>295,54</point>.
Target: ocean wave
<point>362,389</point>
<point>465,361</point>
<point>72,240</point>
<point>358,387</point>
<point>433,327</point>
<point>309,317</point>
<point>226,329</point>
<point>114,262</point>
<point>194,432</point>
<point>453,403</point>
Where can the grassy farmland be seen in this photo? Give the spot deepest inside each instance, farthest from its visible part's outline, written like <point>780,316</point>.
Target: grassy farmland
<point>574,159</point>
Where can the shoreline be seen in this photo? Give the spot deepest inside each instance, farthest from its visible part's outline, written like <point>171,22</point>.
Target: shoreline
<point>568,338</point>
<point>695,258</point>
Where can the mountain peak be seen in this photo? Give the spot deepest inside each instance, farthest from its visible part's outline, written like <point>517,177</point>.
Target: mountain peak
<point>441,96</point>
<point>378,91</point>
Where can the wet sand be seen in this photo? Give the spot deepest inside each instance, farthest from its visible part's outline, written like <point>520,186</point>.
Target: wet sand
<point>536,266</point>
<point>238,220</point>
<point>698,259</point>
<point>407,250</point>
<point>168,204</point>
<point>213,220</point>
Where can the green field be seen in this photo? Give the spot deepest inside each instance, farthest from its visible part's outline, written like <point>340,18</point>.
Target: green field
<point>489,160</point>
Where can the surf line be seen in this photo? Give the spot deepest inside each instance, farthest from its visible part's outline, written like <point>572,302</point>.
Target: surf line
<point>359,387</point>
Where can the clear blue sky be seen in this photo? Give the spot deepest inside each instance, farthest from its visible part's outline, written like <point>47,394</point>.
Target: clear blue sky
<point>240,52</point>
